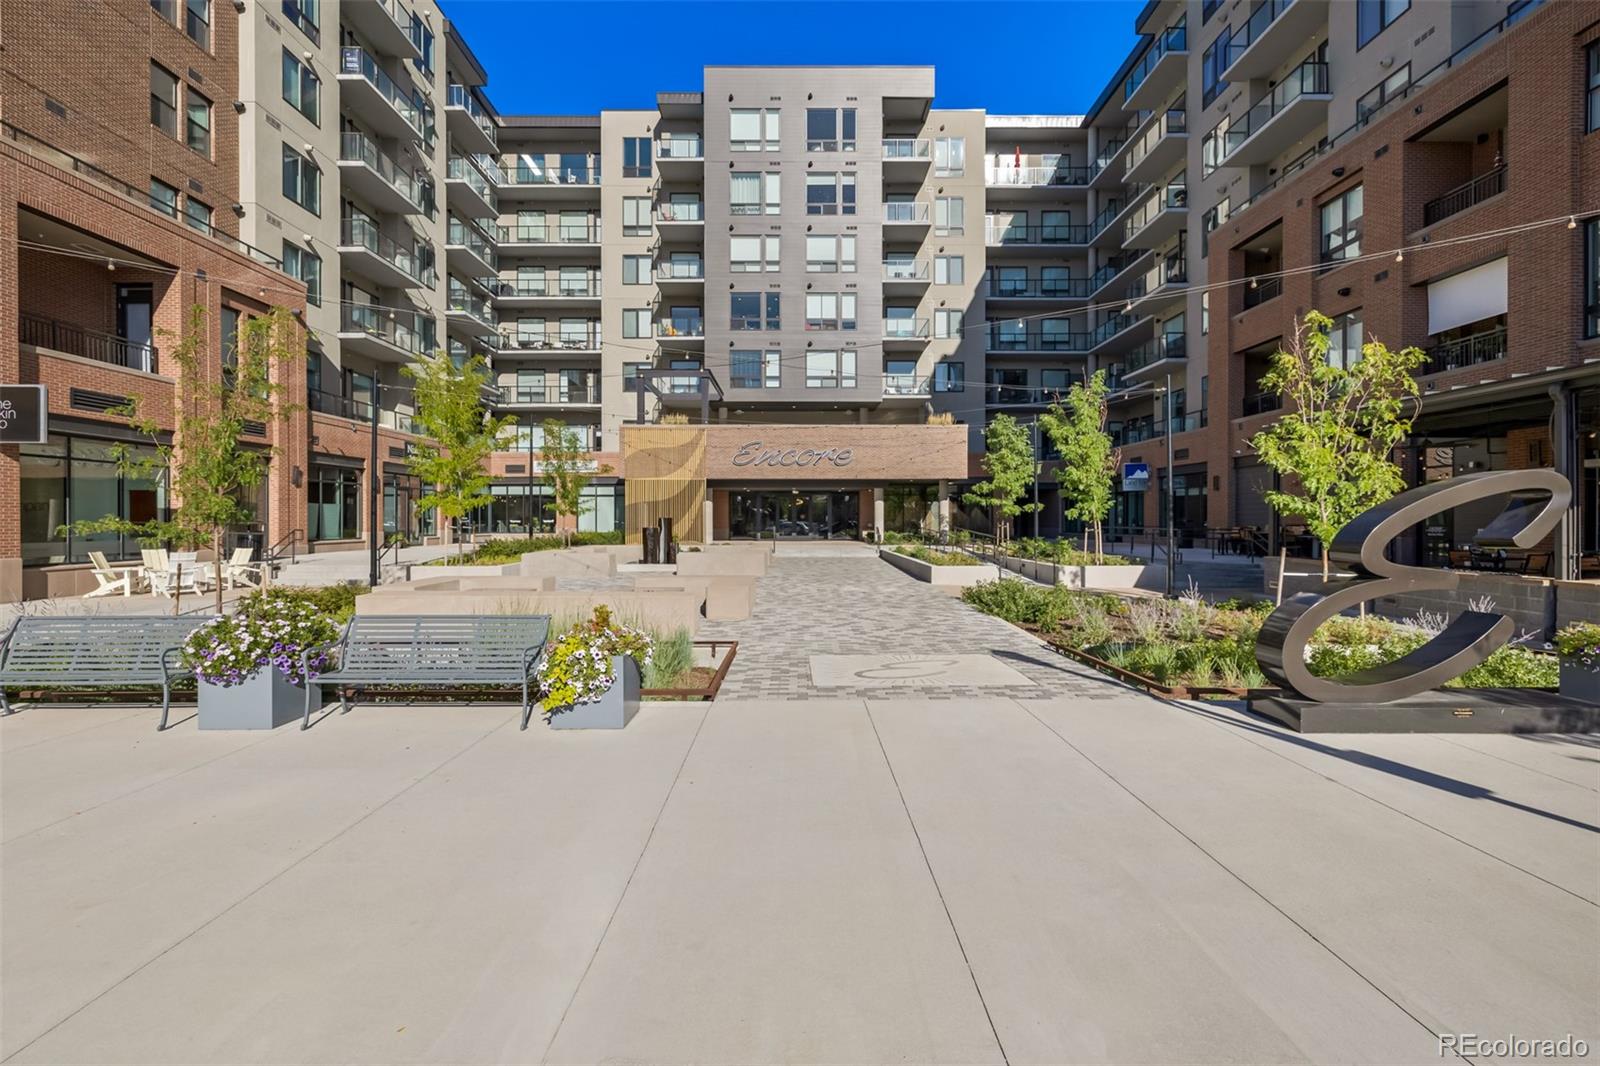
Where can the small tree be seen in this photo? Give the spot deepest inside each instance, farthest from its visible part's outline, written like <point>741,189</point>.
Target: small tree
<point>1088,459</point>
<point>1339,428</point>
<point>207,471</point>
<point>1009,462</point>
<point>462,433</point>
<point>565,466</point>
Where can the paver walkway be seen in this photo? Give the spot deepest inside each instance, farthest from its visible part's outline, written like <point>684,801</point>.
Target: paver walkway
<point>857,604</point>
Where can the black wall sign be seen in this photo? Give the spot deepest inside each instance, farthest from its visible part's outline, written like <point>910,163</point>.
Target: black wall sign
<point>23,414</point>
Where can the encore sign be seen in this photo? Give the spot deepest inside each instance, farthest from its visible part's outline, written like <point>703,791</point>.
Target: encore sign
<point>753,454</point>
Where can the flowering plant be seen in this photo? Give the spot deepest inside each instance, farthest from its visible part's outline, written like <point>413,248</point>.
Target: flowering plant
<point>1580,641</point>
<point>576,667</point>
<point>267,630</point>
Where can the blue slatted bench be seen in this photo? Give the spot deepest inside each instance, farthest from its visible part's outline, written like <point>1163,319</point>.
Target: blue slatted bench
<point>441,650</point>
<point>96,652</point>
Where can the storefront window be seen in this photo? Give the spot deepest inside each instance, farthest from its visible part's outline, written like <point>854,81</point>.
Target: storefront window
<point>601,511</point>
<point>333,503</point>
<point>77,479</point>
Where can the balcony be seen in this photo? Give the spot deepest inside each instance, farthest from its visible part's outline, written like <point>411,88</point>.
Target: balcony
<point>468,190</point>
<point>549,238</point>
<point>385,23</point>
<point>386,336</point>
<point>1159,71</point>
<point>1274,29</point>
<point>682,330</point>
<point>578,390</point>
<point>379,178</point>
<point>1469,194</point>
<point>380,258</point>
<point>681,275</point>
<point>908,333</point>
<point>1295,108</point>
<point>1158,149</point>
<point>680,157</point>
<point>468,122</point>
<point>1260,291</point>
<point>1103,228</point>
<point>69,339</point>
<point>907,386</point>
<point>368,89</point>
<point>1478,348</point>
<point>1159,218</point>
<point>906,276</point>
<point>567,290</point>
<point>681,219</point>
<point>1009,337</point>
<point>906,158</point>
<point>531,178</point>
<point>1120,333</point>
<point>1009,175</point>
<point>1116,270</point>
<point>469,249</point>
<point>1036,288</point>
<point>467,312</point>
<point>1103,171</point>
<point>1162,354</point>
<point>906,220</point>
<point>1261,403</point>
<point>1164,285</point>
<point>569,340</point>
<point>1139,430</point>
<point>1050,235</point>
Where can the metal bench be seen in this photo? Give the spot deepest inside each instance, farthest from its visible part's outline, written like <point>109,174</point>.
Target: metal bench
<point>439,650</point>
<point>96,652</point>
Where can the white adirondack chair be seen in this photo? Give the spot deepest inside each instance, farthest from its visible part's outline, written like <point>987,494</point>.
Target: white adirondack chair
<point>239,570</point>
<point>173,572</point>
<point>110,580</point>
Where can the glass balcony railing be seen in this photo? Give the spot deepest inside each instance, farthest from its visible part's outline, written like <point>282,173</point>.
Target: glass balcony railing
<point>403,331</point>
<point>1170,122</point>
<point>1111,327</point>
<point>905,149</point>
<point>568,389</point>
<point>907,385</point>
<point>1263,15</point>
<point>527,172</point>
<point>688,148</point>
<point>465,235</point>
<point>681,211</point>
<point>1173,197</point>
<point>906,212</point>
<point>464,301</point>
<point>1172,40</point>
<point>681,270</point>
<point>587,285</point>
<point>461,168</point>
<point>1050,233</point>
<point>557,233</point>
<point>357,147</point>
<point>905,328</point>
<point>905,270</point>
<point>354,59</point>
<point>1011,338</point>
<point>460,97</point>
<point>361,233</point>
<point>1166,346</point>
<point>1033,175</point>
<point>681,326</point>
<point>570,339</point>
<point>1036,286</point>
<point>1305,80</point>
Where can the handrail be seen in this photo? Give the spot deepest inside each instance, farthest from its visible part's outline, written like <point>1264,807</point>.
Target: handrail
<point>357,232</point>
<point>1054,233</point>
<point>1478,348</point>
<point>1173,39</point>
<point>905,148</point>
<point>86,343</point>
<point>274,554</point>
<point>357,61</point>
<point>1262,15</point>
<point>551,234</point>
<point>1469,193</point>
<point>1308,79</point>
<point>357,147</point>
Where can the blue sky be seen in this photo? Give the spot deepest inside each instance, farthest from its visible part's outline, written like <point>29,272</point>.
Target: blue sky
<point>579,56</point>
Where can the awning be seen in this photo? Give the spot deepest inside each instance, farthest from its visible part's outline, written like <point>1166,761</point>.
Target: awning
<point>1466,297</point>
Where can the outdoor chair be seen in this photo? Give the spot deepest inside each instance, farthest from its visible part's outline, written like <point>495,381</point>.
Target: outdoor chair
<point>1535,563</point>
<point>1460,559</point>
<point>110,580</point>
<point>173,573</point>
<point>239,570</point>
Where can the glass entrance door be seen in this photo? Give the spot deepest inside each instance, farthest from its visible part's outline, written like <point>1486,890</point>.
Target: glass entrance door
<point>811,515</point>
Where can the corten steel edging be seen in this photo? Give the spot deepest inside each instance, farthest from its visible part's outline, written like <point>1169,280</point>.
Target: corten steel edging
<point>1179,693</point>
<point>711,690</point>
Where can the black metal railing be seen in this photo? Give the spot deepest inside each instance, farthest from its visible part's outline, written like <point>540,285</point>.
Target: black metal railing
<point>86,343</point>
<point>1055,233</point>
<point>1036,340</point>
<point>1262,402</point>
<point>1262,291</point>
<point>1468,194</point>
<point>1039,287</point>
<point>1483,347</point>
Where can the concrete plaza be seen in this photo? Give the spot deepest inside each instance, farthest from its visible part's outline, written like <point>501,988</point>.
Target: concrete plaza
<point>850,880</point>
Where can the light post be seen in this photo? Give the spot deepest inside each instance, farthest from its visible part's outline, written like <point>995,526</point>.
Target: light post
<point>375,479</point>
<point>1038,469</point>
<point>530,475</point>
<point>1171,490</point>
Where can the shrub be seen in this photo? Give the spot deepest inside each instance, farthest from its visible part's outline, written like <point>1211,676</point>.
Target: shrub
<point>1148,620</point>
<point>576,667</point>
<point>1580,641</point>
<point>269,629</point>
<point>336,601</point>
<point>674,656</point>
<point>937,557</point>
<point>1511,667</point>
<point>1061,552</point>
<point>503,550</point>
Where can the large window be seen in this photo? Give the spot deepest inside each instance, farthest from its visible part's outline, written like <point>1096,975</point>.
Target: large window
<point>333,503</point>
<point>197,214</point>
<point>76,479</point>
<point>636,216</point>
<point>307,266</point>
<point>949,216</point>
<point>754,310</point>
<point>1375,16</point>
<point>753,129</point>
<point>1212,63</point>
<point>830,255</point>
<point>830,310</point>
<point>1591,286</point>
<point>163,99</point>
<point>949,156</point>
<point>754,193</point>
<point>636,157</point>
<point>302,89</point>
<point>1341,227</point>
<point>946,323</point>
<point>949,377</point>
<point>163,197</point>
<point>754,369</point>
<point>197,122</point>
<point>636,322</point>
<point>831,370</point>
<point>949,270</point>
<point>636,270</point>
<point>752,255</point>
<point>197,21</point>
<point>302,181</point>
<point>830,194</point>
<point>830,130</point>
<point>1594,87</point>
<point>1344,340</point>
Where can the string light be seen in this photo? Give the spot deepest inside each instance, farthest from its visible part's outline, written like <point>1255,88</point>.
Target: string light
<point>1572,221</point>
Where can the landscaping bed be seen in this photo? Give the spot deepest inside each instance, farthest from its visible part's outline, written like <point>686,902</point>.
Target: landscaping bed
<point>503,550</point>
<point>1059,562</point>
<point>938,566</point>
<point>1187,648</point>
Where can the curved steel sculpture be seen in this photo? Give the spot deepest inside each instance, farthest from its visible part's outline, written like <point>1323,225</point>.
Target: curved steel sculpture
<point>1467,641</point>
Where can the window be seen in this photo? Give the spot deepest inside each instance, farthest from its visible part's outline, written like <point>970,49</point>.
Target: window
<point>830,130</point>
<point>1341,227</point>
<point>753,193</point>
<point>1205,313</point>
<point>1594,88</point>
<point>745,310</point>
<point>302,89</point>
<point>636,216</point>
<point>197,21</point>
<point>751,255</point>
<point>830,310</point>
<point>830,194</point>
<point>822,255</point>
<point>197,215</point>
<point>167,9</point>
<point>949,216</point>
<point>949,156</point>
<point>305,265</point>
<point>164,198</point>
<point>1212,63</point>
<point>636,322</point>
<point>306,15</point>
<point>1344,340</point>
<point>949,270</point>
<point>636,157</point>
<point>636,270</point>
<point>754,369</point>
<point>752,129</point>
<point>1390,88</point>
<point>81,478</point>
<point>163,100</point>
<point>333,501</point>
<point>1375,16</point>
<point>946,323</point>
<point>302,181</point>
<point>831,370</point>
<point>197,128</point>
<point>949,377</point>
<point>1591,269</point>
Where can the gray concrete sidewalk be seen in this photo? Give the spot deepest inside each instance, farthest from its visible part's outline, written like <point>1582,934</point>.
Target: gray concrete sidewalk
<point>1044,880</point>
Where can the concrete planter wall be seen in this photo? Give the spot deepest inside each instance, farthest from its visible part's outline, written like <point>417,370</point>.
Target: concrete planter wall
<point>430,573</point>
<point>944,576</point>
<point>614,710</point>
<point>265,701</point>
<point>1075,577</point>
<point>1580,682</point>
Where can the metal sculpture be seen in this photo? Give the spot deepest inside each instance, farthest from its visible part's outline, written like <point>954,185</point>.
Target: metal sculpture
<point>1467,641</point>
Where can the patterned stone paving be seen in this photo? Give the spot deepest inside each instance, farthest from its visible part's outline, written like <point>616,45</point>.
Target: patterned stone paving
<point>859,605</point>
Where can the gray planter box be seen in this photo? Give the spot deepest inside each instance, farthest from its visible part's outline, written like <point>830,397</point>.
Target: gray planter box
<point>1580,682</point>
<point>265,701</point>
<point>614,710</point>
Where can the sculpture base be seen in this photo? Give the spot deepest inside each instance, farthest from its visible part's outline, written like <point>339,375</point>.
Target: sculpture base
<point>1453,710</point>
